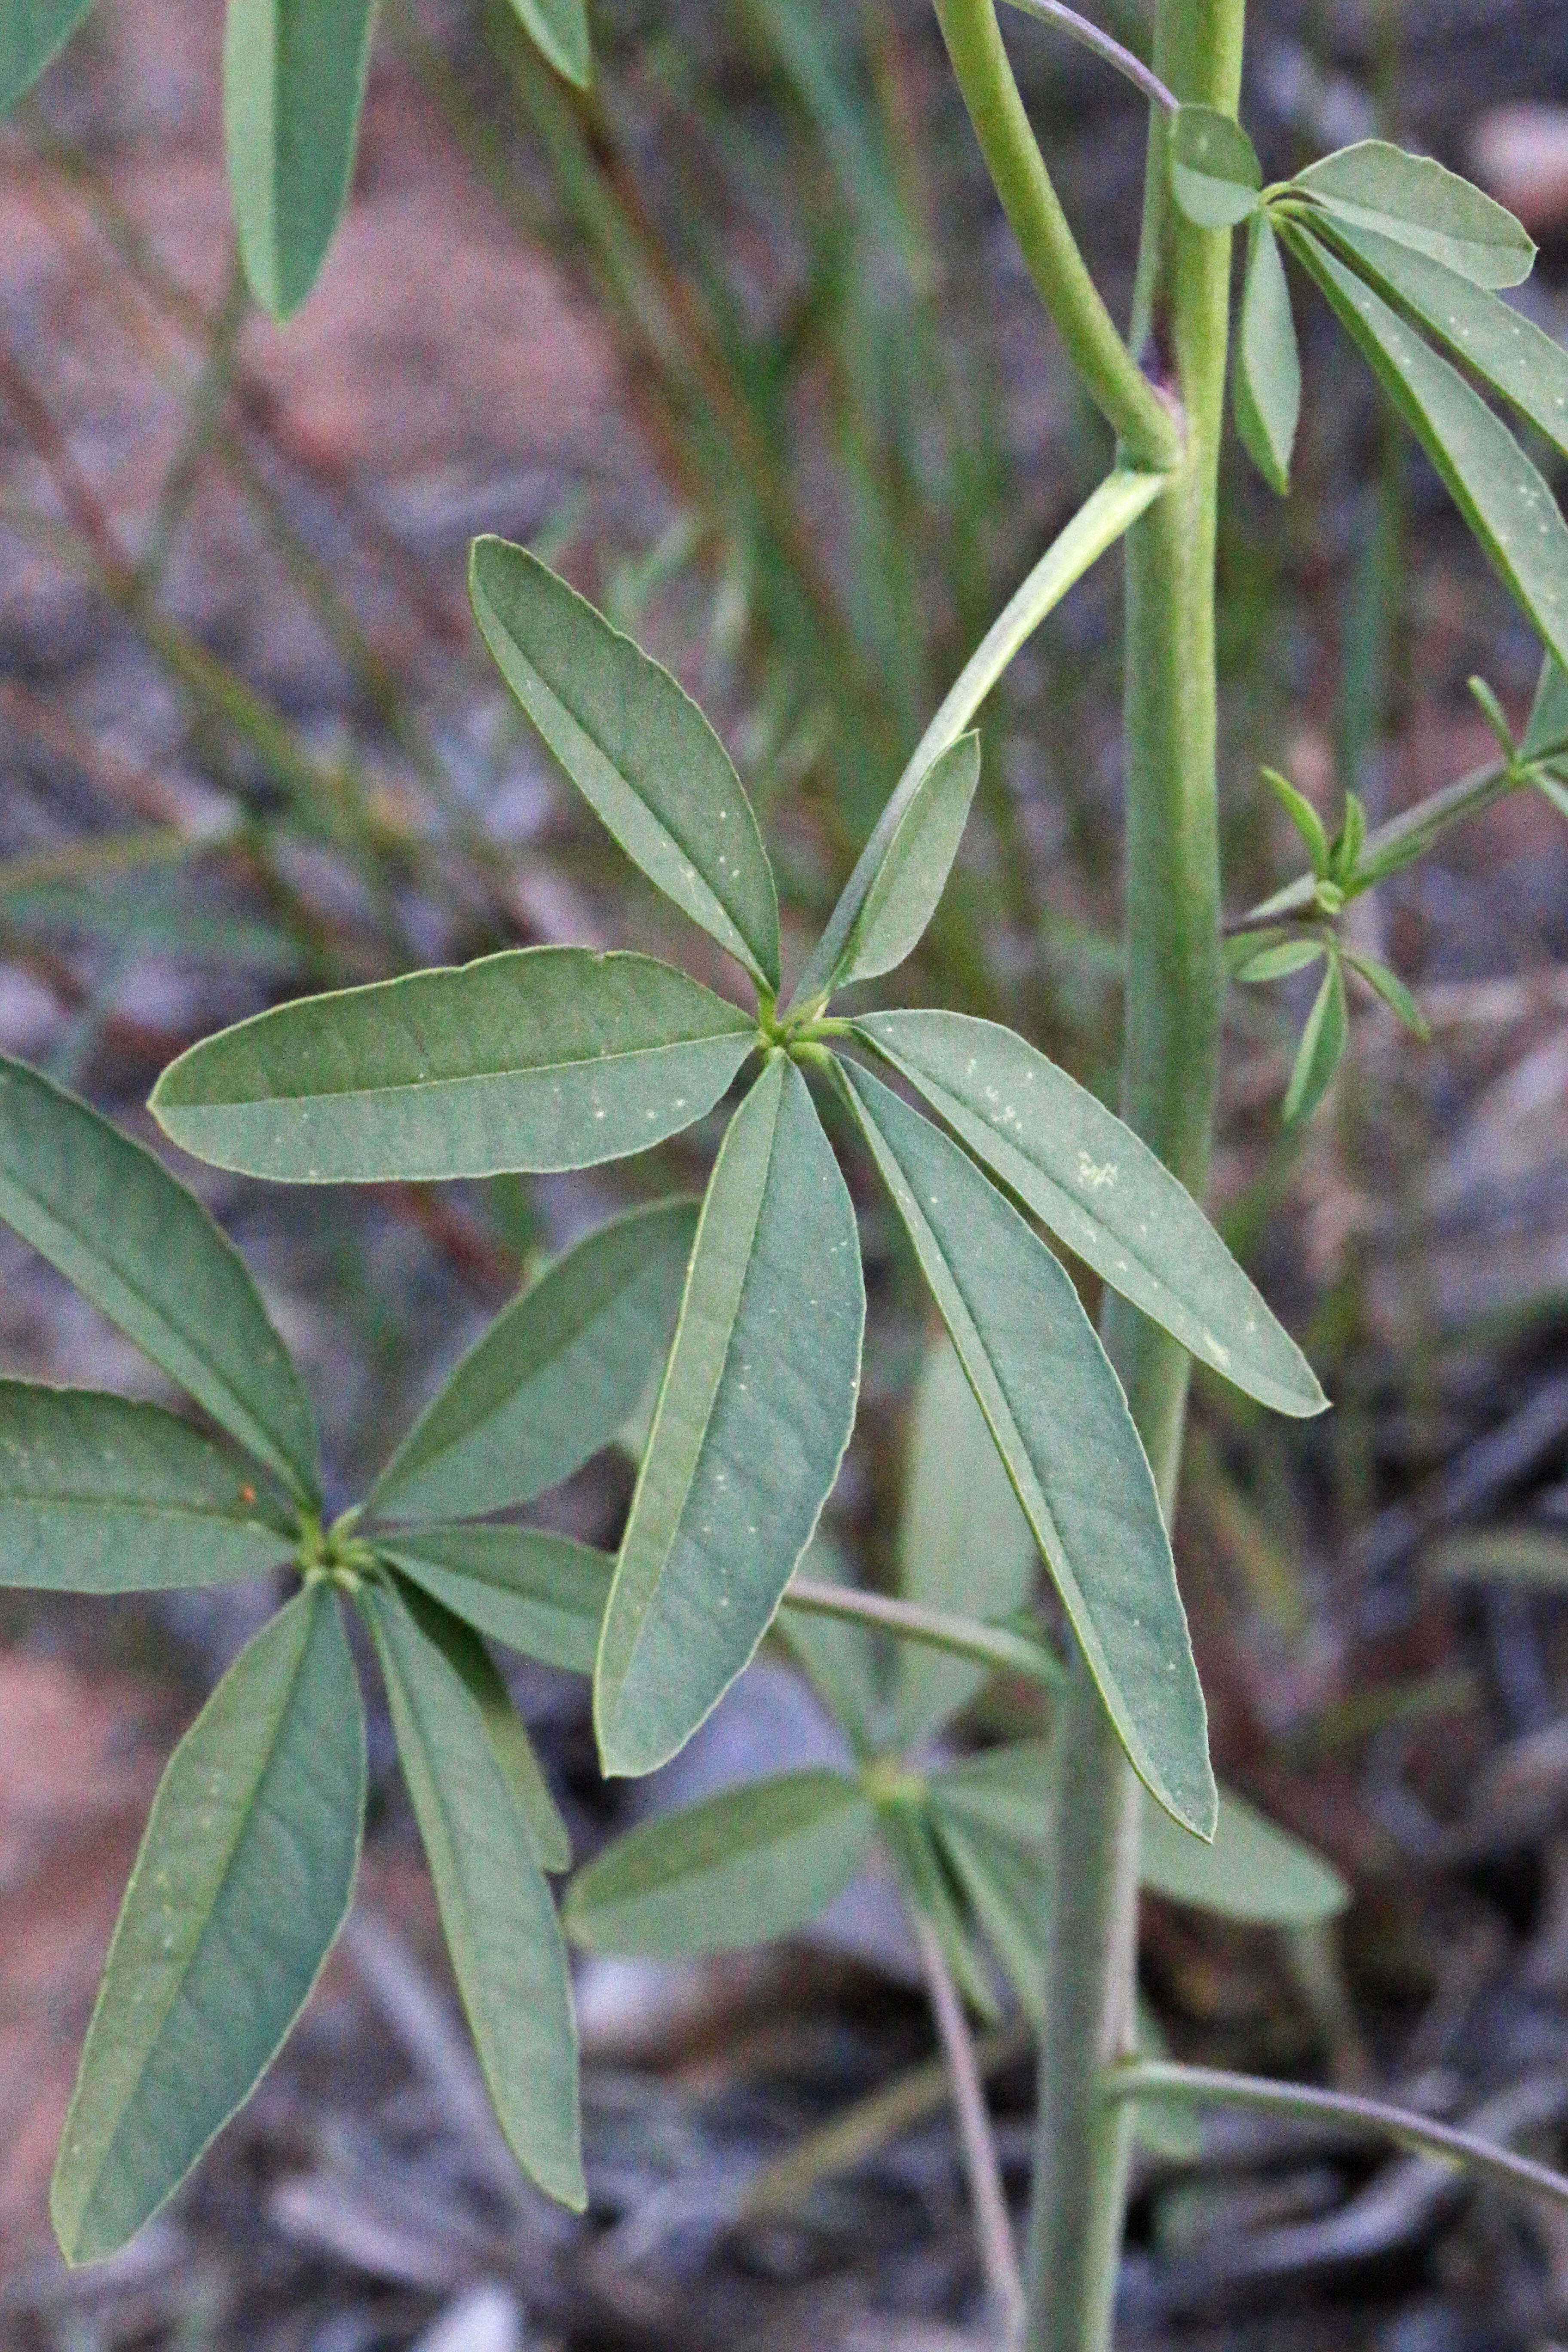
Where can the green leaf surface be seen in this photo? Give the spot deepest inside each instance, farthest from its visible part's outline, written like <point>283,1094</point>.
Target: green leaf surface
<point>1058,1412</point>
<point>32,32</point>
<point>1392,991</point>
<point>537,1591</point>
<point>97,1495</point>
<point>1505,349</point>
<point>132,1240</point>
<point>758,1862</point>
<point>1215,173</point>
<point>933,1894</point>
<point>1546,731</point>
<point>965,1545</point>
<point>1553,788</point>
<point>1100,1190</point>
<point>1278,963</point>
<point>892,893</point>
<point>1321,1048</point>
<point>496,1910</point>
<point>1416,202</point>
<point>293,84</point>
<point>514,1751</point>
<point>559,29</point>
<point>637,746</point>
<point>753,1418</point>
<point>1008,1892</point>
<point>1502,496</point>
<point>1308,825</point>
<point>537,1058</point>
<point>242,1880</point>
<point>1252,1870</point>
<point>1005,1789</point>
<point>553,1379</point>
<point>1267,389</point>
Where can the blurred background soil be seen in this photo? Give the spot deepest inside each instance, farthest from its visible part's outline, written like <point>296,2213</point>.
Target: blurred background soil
<point>741,345</point>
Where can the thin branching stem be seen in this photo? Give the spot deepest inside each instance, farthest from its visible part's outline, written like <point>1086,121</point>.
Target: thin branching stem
<point>1149,429</point>
<point>1212,2085</point>
<point>988,1646</point>
<point>1091,36</point>
<point>1399,842</point>
<point>993,2228</point>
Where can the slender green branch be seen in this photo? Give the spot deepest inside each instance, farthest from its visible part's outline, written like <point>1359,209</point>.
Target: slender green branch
<point>992,2229</point>
<point>1079,28</point>
<point>1099,523</point>
<point>1112,376</point>
<point>1174,1001</point>
<point>961,1637</point>
<point>1199,2086</point>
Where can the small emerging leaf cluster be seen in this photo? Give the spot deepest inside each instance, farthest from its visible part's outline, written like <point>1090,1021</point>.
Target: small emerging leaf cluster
<point>1410,259</point>
<point>294,76</point>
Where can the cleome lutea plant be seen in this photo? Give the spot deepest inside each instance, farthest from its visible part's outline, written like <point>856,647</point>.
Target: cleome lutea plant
<point>554,1058</point>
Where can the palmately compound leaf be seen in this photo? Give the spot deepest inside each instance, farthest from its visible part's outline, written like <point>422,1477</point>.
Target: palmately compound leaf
<point>509,1743</point>
<point>496,1910</point>
<point>553,1379</point>
<point>1502,496</point>
<point>537,1591</point>
<point>1546,733</point>
<point>133,1241</point>
<point>559,29</point>
<point>293,84</point>
<point>758,1862</point>
<point>1215,173</point>
<point>33,32</point>
<point>1252,1870</point>
<point>1267,390</point>
<point>753,1418</point>
<point>1417,202</point>
<point>1321,1048</point>
<point>965,1545</point>
<point>534,1059</point>
<point>898,878</point>
<point>1086,1175</point>
<point>637,746</point>
<point>1505,349</point>
<point>1058,1416</point>
<point>97,1495</point>
<point>242,1880</point>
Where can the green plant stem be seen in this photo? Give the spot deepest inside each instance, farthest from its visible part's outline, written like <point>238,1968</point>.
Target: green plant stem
<point>1091,36</point>
<point>1202,2086</point>
<point>993,2228</point>
<point>1148,429</point>
<point>988,1646</point>
<point>1174,988</point>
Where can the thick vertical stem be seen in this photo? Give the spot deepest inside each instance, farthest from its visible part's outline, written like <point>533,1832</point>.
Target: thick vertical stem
<point>1173,996</point>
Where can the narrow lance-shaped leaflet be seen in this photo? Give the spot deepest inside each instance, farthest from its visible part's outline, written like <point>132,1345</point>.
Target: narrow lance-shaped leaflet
<point>637,746</point>
<point>551,1379</point>
<point>1086,1175</point>
<point>534,1059</point>
<point>142,1249</point>
<point>294,85</point>
<point>1060,1420</point>
<point>496,1910</point>
<point>242,1883</point>
<point>98,1494</point>
<point>753,1418</point>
